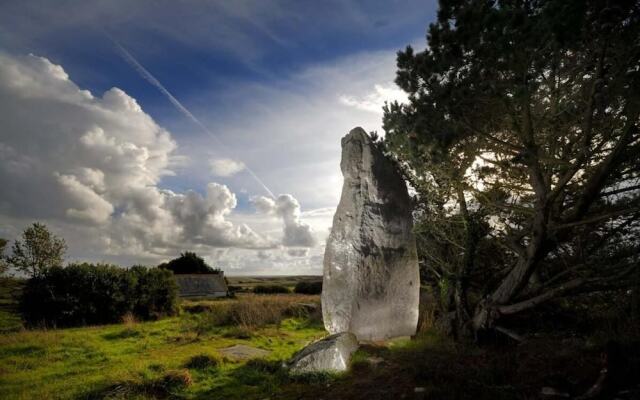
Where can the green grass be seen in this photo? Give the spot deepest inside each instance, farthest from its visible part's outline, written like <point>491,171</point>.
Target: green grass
<point>179,358</point>
<point>249,282</point>
<point>90,362</point>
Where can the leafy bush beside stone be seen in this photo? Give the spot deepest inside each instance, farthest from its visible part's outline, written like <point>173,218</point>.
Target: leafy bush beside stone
<point>85,294</point>
<point>308,287</point>
<point>270,289</point>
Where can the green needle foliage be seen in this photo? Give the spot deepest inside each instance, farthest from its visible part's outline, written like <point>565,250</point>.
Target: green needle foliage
<point>521,139</point>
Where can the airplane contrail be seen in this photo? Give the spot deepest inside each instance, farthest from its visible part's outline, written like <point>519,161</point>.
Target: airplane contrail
<point>146,75</point>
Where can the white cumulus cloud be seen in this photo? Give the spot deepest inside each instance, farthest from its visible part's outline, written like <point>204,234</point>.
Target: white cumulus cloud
<point>295,232</point>
<point>225,167</point>
<point>94,163</point>
<point>374,100</point>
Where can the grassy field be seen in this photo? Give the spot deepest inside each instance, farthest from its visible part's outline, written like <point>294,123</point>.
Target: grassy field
<point>249,282</point>
<point>140,359</point>
<point>183,357</point>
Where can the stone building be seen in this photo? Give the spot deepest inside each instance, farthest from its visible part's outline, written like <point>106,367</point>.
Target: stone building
<point>202,285</point>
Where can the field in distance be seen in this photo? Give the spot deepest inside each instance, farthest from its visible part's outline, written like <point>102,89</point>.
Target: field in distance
<point>289,281</point>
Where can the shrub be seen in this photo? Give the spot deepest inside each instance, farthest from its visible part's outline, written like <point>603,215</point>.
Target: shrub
<point>270,289</point>
<point>178,379</point>
<point>96,294</point>
<point>155,294</point>
<point>166,386</point>
<point>262,365</point>
<point>129,322</point>
<point>236,289</point>
<point>308,287</point>
<point>202,361</point>
<point>3,264</point>
<point>239,332</point>
<point>196,308</point>
<point>214,317</point>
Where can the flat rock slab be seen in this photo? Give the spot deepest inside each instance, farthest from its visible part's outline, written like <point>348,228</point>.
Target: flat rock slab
<point>243,352</point>
<point>331,354</point>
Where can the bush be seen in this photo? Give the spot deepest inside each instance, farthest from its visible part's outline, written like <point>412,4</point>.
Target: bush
<point>96,294</point>
<point>270,289</point>
<point>155,294</point>
<point>202,361</point>
<point>176,380</point>
<point>308,287</point>
<point>236,289</point>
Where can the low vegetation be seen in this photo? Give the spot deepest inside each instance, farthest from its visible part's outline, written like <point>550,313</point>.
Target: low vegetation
<point>96,294</point>
<point>176,357</point>
<point>253,311</point>
<point>182,357</point>
<point>245,284</point>
<point>10,292</point>
<point>3,263</point>
<point>270,289</point>
<point>308,287</point>
<point>203,361</point>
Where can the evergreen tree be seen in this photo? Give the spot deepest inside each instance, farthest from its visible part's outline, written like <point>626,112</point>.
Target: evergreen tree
<point>521,139</point>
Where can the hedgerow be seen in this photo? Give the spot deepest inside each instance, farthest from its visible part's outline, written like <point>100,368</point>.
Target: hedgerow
<point>86,294</point>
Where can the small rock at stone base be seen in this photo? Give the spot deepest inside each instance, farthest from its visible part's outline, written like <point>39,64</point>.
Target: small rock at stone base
<point>331,354</point>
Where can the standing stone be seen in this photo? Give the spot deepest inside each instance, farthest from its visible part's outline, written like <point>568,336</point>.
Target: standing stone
<point>371,283</point>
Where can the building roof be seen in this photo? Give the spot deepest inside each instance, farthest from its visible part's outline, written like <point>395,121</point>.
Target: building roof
<point>196,285</point>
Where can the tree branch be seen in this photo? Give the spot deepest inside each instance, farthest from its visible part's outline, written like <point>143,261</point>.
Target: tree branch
<point>534,301</point>
<point>595,218</point>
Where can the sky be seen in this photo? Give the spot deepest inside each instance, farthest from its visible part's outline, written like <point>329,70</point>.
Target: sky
<point>139,130</point>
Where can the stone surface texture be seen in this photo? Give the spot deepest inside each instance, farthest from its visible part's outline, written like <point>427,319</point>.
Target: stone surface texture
<point>331,354</point>
<point>371,283</point>
<point>243,352</point>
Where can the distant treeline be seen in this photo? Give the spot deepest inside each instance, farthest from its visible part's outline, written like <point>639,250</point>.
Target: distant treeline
<point>270,289</point>
<point>308,287</point>
<point>85,293</point>
<point>300,288</point>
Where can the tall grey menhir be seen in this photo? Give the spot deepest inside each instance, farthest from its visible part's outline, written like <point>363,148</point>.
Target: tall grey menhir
<point>371,280</point>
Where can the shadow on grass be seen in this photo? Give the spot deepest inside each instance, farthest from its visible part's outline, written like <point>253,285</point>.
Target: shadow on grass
<point>169,386</point>
<point>23,351</point>
<point>260,378</point>
<point>122,334</point>
<point>257,379</point>
<point>429,367</point>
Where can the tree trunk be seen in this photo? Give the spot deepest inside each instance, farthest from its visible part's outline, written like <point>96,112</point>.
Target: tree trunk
<point>466,266</point>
